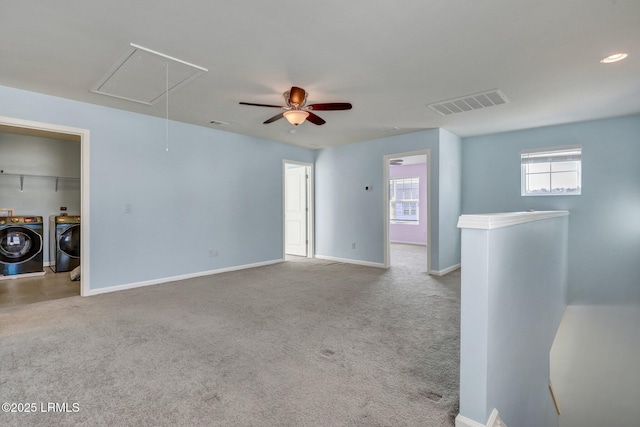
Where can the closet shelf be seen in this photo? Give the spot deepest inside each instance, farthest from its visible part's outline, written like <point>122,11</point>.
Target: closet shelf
<point>23,175</point>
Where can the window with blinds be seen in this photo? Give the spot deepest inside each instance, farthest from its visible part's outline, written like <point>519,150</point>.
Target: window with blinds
<point>551,172</point>
<point>404,198</point>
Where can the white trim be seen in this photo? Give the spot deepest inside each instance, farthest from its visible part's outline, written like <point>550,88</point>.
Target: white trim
<point>97,88</point>
<point>22,275</point>
<point>137,46</point>
<point>551,149</point>
<point>494,421</point>
<point>180,277</point>
<point>385,202</point>
<point>352,261</point>
<point>85,278</point>
<point>505,219</point>
<point>310,204</point>
<point>445,271</point>
<point>462,421</point>
<point>400,242</point>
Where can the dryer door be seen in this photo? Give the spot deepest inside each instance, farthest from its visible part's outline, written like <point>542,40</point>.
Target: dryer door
<point>18,244</point>
<point>69,241</point>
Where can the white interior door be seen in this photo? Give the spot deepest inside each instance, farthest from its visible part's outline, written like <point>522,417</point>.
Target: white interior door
<point>295,215</point>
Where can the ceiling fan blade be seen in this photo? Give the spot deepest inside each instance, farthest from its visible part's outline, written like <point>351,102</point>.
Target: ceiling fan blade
<point>297,95</point>
<point>328,106</point>
<point>315,119</point>
<point>261,105</point>
<point>274,118</point>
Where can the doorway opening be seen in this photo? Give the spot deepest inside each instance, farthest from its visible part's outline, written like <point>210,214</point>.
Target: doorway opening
<point>81,136</point>
<point>297,190</point>
<point>407,236</point>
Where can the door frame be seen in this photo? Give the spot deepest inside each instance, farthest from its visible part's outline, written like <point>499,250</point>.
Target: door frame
<point>385,200</point>
<point>83,134</point>
<point>310,206</point>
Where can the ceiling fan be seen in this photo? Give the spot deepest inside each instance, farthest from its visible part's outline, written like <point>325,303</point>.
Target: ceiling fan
<point>297,110</point>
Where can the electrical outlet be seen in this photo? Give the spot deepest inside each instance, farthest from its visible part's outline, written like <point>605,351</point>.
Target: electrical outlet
<point>128,208</point>
<point>353,245</point>
<point>213,252</point>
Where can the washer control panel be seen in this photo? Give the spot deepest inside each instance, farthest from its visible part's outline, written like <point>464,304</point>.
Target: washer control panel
<point>21,220</point>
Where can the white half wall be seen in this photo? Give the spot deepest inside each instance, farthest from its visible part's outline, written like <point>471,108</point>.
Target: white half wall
<point>513,293</point>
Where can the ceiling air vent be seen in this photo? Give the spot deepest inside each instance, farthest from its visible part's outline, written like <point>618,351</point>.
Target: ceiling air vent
<point>145,76</point>
<point>470,102</point>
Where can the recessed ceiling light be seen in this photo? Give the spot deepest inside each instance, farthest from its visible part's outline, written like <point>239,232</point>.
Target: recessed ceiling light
<point>614,58</point>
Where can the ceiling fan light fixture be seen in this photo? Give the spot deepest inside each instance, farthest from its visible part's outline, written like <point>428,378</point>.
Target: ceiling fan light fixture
<point>295,117</point>
<point>614,58</point>
<point>297,110</point>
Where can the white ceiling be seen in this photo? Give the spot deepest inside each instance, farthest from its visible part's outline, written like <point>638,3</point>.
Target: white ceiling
<point>389,59</point>
<point>411,160</point>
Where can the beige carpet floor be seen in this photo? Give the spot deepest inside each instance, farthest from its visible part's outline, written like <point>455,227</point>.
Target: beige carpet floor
<point>301,343</point>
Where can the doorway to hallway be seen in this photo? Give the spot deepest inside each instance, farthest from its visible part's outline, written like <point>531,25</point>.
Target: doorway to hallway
<point>407,210</point>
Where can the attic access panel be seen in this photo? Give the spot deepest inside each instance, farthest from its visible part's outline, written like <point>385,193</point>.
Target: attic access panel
<point>146,76</point>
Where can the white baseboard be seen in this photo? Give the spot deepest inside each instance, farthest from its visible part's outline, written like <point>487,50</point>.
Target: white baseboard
<point>494,421</point>
<point>462,421</point>
<point>181,277</point>
<point>445,271</point>
<point>22,275</point>
<point>351,261</point>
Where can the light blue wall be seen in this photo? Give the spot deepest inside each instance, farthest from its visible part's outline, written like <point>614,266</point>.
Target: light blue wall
<point>212,190</point>
<point>346,213</point>
<point>604,231</point>
<point>474,325</point>
<point>47,158</point>
<point>513,289</point>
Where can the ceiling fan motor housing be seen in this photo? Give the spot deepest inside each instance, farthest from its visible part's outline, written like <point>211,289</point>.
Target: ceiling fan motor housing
<point>297,110</point>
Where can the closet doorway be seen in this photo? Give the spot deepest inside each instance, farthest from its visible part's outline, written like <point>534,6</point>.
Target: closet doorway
<point>297,191</point>
<point>76,135</point>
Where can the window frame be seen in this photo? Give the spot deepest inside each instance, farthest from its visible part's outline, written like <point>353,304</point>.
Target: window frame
<point>563,154</point>
<point>393,201</point>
